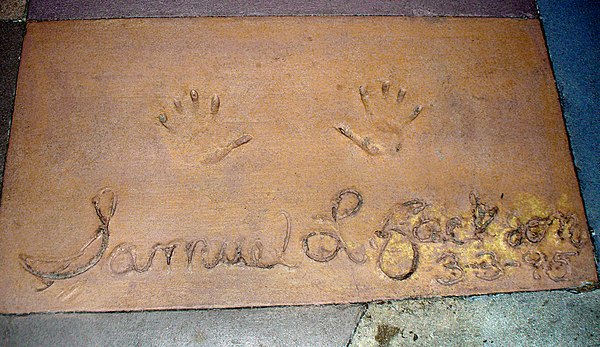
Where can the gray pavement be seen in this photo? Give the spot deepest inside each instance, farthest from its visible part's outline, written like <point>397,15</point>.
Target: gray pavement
<point>519,319</point>
<point>573,38</point>
<point>11,34</point>
<point>278,326</point>
<point>12,9</point>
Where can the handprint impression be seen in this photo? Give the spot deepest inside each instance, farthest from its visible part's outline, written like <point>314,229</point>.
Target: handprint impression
<point>379,131</point>
<point>195,131</point>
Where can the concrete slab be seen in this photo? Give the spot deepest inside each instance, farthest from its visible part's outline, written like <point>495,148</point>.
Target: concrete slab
<point>351,232</point>
<point>86,9</point>
<point>573,36</point>
<point>12,9</point>
<point>518,319</point>
<point>10,50</point>
<point>282,326</point>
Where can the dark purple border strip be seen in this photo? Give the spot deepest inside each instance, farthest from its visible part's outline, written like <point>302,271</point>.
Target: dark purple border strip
<point>96,9</point>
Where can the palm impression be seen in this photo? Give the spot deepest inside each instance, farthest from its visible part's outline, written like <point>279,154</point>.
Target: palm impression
<point>379,130</point>
<point>196,130</point>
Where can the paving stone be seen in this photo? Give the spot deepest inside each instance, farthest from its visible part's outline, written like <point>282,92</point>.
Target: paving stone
<point>10,50</point>
<point>517,319</point>
<point>78,9</point>
<point>12,9</point>
<point>281,326</point>
<point>573,34</point>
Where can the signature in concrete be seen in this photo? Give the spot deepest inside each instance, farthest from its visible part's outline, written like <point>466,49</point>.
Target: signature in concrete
<point>413,224</point>
<point>123,258</point>
<point>461,245</point>
<point>50,270</point>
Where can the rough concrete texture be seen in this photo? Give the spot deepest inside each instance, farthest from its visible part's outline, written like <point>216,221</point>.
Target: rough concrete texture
<point>12,9</point>
<point>283,326</point>
<point>573,36</point>
<point>87,9</point>
<point>518,319</point>
<point>11,38</point>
